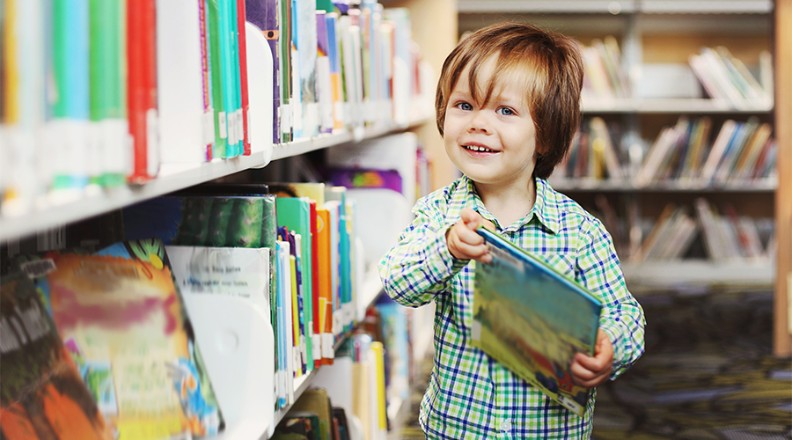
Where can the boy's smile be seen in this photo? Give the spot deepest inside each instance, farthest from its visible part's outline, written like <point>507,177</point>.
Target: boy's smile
<point>492,142</point>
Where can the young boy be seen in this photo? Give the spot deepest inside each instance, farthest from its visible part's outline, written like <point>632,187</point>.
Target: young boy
<point>507,108</point>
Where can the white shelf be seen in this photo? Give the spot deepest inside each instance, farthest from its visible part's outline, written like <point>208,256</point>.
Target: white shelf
<point>707,6</point>
<point>566,6</point>
<point>615,7</point>
<point>586,184</point>
<point>669,105</point>
<point>700,274</point>
<point>57,210</point>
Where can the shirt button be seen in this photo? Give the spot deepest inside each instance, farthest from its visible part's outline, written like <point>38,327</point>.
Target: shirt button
<point>506,425</point>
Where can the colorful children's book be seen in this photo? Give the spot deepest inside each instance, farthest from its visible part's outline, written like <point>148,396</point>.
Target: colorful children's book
<point>533,320</point>
<point>121,314</point>
<point>43,393</point>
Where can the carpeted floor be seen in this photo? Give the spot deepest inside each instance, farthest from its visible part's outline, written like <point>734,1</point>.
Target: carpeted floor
<point>708,374</point>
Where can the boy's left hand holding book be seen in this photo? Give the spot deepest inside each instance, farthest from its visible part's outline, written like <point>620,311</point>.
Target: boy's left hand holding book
<point>591,371</point>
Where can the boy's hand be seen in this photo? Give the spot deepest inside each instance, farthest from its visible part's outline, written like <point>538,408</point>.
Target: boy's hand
<point>464,242</point>
<point>591,371</point>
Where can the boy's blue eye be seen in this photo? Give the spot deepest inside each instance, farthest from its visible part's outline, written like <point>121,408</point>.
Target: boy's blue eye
<point>506,111</point>
<point>464,106</point>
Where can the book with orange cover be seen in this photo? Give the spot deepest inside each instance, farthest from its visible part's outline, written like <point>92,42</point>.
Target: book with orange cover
<point>121,315</point>
<point>43,393</point>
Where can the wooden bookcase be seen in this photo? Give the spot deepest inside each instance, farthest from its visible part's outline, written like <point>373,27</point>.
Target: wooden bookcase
<point>668,31</point>
<point>782,344</point>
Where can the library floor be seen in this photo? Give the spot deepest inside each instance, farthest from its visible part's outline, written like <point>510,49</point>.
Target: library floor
<point>707,374</point>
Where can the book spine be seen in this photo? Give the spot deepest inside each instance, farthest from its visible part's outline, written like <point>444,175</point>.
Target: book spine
<point>208,117</point>
<point>243,77</point>
<point>285,112</point>
<point>71,106</point>
<point>235,113</point>
<point>216,77</point>
<point>142,88</point>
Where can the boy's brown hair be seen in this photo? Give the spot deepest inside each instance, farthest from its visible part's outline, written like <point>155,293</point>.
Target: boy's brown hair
<point>551,65</point>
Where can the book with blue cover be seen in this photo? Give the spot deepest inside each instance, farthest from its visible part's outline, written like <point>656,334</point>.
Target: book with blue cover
<point>533,320</point>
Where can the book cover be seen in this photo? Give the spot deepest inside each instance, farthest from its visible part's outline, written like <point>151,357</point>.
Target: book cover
<point>120,312</point>
<point>243,78</point>
<point>42,394</point>
<point>533,320</point>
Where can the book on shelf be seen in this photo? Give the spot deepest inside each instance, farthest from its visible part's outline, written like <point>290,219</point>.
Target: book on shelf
<point>142,89</point>
<point>44,394</point>
<point>121,315</point>
<point>726,78</point>
<point>533,320</point>
<point>180,80</point>
<point>264,14</point>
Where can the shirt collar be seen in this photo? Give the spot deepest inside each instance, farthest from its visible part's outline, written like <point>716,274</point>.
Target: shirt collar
<point>545,209</point>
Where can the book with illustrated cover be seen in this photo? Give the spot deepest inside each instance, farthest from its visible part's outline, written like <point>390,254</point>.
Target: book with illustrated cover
<point>533,320</point>
<point>121,316</point>
<point>42,394</point>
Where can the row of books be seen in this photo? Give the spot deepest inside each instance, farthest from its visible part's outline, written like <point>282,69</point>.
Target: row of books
<point>101,340</point>
<point>604,75</point>
<point>740,151</point>
<point>315,258</point>
<point>720,74</point>
<point>701,229</point>
<point>365,70</point>
<point>136,85</point>
<point>295,260</point>
<point>725,77</point>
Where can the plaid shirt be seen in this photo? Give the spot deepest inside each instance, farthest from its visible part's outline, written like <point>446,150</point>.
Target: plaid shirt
<point>470,395</point>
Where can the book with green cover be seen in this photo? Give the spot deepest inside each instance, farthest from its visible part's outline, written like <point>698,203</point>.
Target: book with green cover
<point>533,320</point>
<point>295,214</point>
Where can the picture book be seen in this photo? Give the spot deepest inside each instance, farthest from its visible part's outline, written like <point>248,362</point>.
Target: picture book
<point>533,320</point>
<point>42,394</point>
<point>120,314</point>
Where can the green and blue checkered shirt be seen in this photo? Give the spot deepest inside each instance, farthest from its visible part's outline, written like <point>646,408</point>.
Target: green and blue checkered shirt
<point>470,395</point>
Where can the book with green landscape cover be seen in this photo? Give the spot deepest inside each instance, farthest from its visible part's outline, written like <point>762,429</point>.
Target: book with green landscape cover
<point>533,320</point>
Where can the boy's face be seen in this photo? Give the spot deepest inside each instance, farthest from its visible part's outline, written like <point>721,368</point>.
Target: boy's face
<point>492,143</point>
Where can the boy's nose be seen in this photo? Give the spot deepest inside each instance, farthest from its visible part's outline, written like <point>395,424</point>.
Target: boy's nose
<point>478,123</point>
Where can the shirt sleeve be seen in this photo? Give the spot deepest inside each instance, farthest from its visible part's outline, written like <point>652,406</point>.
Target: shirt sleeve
<point>420,265</point>
<point>622,318</point>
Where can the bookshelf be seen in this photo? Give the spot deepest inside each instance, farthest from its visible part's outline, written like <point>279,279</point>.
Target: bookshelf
<point>174,177</point>
<point>241,378</point>
<point>782,344</point>
<point>659,33</point>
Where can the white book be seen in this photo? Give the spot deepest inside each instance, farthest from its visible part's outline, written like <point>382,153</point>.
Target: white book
<point>180,87</point>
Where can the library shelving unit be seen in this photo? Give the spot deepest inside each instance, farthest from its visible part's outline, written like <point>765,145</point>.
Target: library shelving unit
<point>782,326</point>
<point>663,33</point>
<point>176,177</point>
